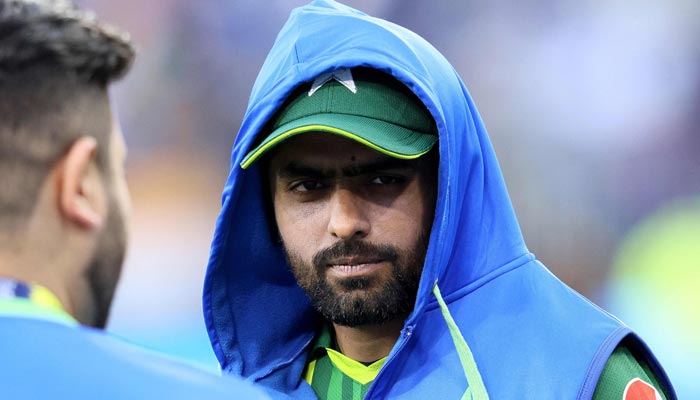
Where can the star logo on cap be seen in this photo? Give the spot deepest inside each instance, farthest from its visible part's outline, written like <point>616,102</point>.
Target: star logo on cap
<point>342,76</point>
<point>637,389</point>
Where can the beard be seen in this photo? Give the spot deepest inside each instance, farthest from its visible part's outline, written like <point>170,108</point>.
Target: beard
<point>365,300</point>
<point>105,268</point>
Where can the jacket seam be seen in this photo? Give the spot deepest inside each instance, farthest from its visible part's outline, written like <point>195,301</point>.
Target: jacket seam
<point>498,272</point>
<point>594,368</point>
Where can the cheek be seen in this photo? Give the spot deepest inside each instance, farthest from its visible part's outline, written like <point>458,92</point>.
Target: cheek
<point>429,199</point>
<point>120,198</point>
<point>408,216</point>
<point>124,198</point>
<point>300,226</point>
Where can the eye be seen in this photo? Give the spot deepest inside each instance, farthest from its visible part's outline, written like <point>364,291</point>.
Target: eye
<point>386,180</point>
<point>306,186</point>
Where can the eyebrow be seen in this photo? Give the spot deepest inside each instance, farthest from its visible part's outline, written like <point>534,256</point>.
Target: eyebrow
<point>296,169</point>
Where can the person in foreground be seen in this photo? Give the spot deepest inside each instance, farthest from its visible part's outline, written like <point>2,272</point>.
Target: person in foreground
<point>63,210</point>
<point>367,247</point>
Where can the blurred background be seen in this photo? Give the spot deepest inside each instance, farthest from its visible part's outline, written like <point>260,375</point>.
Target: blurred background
<point>593,108</point>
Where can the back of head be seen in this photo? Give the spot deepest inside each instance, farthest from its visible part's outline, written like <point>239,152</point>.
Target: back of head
<point>56,62</point>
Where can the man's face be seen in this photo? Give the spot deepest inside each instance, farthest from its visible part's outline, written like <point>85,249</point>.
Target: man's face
<point>106,265</point>
<point>355,225</point>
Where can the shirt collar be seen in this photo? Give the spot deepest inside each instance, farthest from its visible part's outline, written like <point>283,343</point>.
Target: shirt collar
<point>20,299</point>
<point>324,340</point>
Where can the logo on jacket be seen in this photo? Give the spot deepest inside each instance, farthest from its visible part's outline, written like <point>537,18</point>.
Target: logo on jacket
<point>342,76</point>
<point>637,389</point>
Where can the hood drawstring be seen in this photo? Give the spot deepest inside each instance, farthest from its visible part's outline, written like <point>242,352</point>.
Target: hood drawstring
<point>476,389</point>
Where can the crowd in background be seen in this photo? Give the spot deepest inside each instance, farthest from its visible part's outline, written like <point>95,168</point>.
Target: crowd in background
<point>593,109</point>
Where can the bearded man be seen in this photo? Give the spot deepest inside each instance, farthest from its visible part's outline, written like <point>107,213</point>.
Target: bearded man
<point>367,247</point>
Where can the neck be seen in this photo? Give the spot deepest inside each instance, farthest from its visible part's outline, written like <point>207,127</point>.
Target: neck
<point>31,273</point>
<point>35,260</point>
<point>367,343</point>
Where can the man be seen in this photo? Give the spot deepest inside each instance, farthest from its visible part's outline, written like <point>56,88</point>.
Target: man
<point>367,247</point>
<point>63,210</point>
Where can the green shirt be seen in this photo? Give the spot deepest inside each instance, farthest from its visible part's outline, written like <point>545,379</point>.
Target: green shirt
<point>334,376</point>
<point>627,378</point>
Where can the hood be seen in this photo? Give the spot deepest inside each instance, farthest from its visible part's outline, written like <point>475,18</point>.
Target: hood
<point>257,317</point>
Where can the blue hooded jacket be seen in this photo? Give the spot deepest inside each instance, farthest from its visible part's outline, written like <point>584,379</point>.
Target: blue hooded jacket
<point>507,329</point>
<point>56,358</point>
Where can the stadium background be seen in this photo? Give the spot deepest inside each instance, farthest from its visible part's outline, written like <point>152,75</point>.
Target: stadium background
<point>593,108</point>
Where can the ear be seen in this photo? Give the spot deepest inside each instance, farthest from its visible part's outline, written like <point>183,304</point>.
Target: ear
<point>81,197</point>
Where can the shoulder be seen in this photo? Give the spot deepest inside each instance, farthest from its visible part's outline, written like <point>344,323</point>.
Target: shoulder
<point>628,376</point>
<point>42,358</point>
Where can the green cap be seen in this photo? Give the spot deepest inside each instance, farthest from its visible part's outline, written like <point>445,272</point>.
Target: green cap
<point>364,105</point>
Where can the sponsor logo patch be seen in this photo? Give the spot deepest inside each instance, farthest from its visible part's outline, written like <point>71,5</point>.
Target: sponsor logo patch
<point>637,389</point>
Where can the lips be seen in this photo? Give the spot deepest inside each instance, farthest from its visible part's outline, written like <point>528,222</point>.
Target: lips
<point>350,259</point>
<point>352,268</point>
<point>353,262</point>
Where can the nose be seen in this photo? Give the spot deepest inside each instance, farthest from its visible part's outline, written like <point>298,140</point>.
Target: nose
<point>348,216</point>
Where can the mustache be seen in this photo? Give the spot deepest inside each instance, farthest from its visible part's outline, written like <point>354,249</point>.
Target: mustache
<point>353,248</point>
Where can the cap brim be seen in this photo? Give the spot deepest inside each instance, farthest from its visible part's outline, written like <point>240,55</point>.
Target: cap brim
<point>384,137</point>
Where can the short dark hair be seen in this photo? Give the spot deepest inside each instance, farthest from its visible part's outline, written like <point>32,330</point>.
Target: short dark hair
<point>56,62</point>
